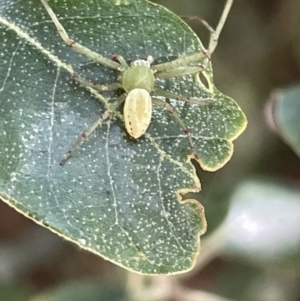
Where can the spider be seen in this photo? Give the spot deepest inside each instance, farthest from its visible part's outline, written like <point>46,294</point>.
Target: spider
<point>138,81</point>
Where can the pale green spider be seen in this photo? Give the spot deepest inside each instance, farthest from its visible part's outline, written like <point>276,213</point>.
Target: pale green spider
<point>138,81</point>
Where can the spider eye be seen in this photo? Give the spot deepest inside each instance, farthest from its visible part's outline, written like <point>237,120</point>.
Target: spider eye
<point>141,63</point>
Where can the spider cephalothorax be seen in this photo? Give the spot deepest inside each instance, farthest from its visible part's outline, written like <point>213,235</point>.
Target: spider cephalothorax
<point>139,75</point>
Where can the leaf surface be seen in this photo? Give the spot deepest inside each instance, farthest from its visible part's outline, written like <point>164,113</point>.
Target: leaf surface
<point>286,115</point>
<point>118,197</point>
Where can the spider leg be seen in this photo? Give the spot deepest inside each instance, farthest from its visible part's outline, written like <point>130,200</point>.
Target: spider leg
<point>180,71</point>
<point>214,33</point>
<point>85,135</point>
<point>202,21</point>
<point>121,60</point>
<point>190,100</point>
<point>201,57</point>
<point>178,64</point>
<point>171,109</point>
<point>85,83</point>
<point>214,36</point>
<point>78,47</point>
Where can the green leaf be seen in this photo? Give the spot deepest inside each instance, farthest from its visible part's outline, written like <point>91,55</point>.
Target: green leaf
<point>119,198</point>
<point>263,221</point>
<point>286,115</point>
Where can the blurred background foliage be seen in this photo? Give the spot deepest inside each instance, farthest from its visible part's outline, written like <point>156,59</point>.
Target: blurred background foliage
<point>252,248</point>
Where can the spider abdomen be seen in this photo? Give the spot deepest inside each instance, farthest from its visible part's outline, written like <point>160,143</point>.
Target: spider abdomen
<point>137,112</point>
